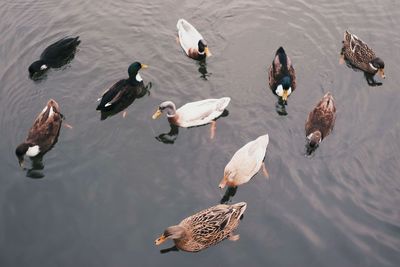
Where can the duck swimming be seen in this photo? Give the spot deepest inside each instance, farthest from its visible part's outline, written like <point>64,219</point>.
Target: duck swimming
<point>123,89</point>
<point>245,163</point>
<point>43,134</point>
<point>193,113</point>
<point>54,56</point>
<point>320,122</point>
<point>359,55</point>
<point>281,75</point>
<point>192,41</point>
<point>205,228</point>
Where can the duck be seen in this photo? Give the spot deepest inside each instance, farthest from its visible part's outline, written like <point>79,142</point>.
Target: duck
<point>194,113</point>
<point>359,55</point>
<point>123,89</point>
<point>43,134</point>
<point>54,56</point>
<point>245,163</point>
<point>205,228</point>
<point>192,41</point>
<point>320,121</point>
<point>281,75</point>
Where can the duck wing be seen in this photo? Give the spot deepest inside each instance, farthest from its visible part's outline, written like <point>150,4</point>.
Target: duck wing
<point>322,118</point>
<point>189,37</point>
<point>247,161</point>
<point>46,128</point>
<point>201,112</point>
<point>113,95</point>
<point>60,50</point>
<point>212,225</point>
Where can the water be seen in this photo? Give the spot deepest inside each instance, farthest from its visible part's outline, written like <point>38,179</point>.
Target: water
<point>110,187</point>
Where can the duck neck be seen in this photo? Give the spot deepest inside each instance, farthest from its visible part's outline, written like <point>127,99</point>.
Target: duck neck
<point>135,79</point>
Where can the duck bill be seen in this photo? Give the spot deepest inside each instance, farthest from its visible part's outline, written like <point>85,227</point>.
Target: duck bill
<point>285,95</point>
<point>381,72</point>
<point>223,182</point>
<point>144,66</point>
<point>207,51</point>
<point>157,114</point>
<point>160,240</point>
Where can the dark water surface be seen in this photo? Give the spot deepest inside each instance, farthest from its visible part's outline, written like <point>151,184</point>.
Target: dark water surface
<point>111,188</point>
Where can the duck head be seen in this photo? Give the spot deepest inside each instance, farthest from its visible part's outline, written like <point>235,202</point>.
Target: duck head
<point>28,149</point>
<point>228,179</point>
<point>168,107</point>
<point>203,48</point>
<point>133,72</point>
<point>172,232</point>
<point>283,89</point>
<point>37,68</point>
<point>378,65</point>
<point>313,141</point>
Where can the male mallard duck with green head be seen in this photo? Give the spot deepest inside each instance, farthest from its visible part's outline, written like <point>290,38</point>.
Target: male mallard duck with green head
<point>123,88</point>
<point>282,77</point>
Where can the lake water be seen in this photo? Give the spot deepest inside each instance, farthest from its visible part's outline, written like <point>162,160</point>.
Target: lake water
<point>110,187</point>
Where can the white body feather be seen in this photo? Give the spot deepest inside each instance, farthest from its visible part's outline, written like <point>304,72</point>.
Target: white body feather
<point>247,161</point>
<point>201,112</point>
<point>189,37</point>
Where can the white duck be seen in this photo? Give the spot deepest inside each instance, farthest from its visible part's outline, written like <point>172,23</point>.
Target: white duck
<point>192,41</point>
<point>245,163</point>
<point>194,113</point>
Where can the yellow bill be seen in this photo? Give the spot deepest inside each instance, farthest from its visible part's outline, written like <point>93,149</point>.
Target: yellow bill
<point>144,66</point>
<point>382,73</point>
<point>285,95</point>
<point>160,240</point>
<point>157,114</point>
<point>207,51</point>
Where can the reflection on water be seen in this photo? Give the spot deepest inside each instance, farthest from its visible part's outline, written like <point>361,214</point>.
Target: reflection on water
<point>203,69</point>
<point>170,137</point>
<point>229,194</point>
<point>280,106</point>
<point>370,78</point>
<point>35,172</point>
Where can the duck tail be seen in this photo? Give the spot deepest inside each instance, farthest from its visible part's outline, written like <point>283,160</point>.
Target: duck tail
<point>77,41</point>
<point>282,57</point>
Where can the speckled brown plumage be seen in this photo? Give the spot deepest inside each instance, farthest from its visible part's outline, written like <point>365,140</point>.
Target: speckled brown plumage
<point>322,117</point>
<point>358,53</point>
<point>210,226</point>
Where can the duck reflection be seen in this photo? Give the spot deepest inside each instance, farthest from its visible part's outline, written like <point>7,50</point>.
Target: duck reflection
<point>167,250</point>
<point>203,69</point>
<point>170,137</point>
<point>35,172</point>
<point>229,194</point>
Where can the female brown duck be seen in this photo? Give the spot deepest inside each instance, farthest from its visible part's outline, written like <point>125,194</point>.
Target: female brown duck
<point>43,134</point>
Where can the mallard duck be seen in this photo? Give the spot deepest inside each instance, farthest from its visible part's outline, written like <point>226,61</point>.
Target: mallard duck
<point>123,88</point>
<point>320,121</point>
<point>193,113</point>
<point>361,56</point>
<point>54,56</point>
<point>245,163</point>
<point>192,41</point>
<point>205,228</point>
<point>282,77</point>
<point>43,134</point>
